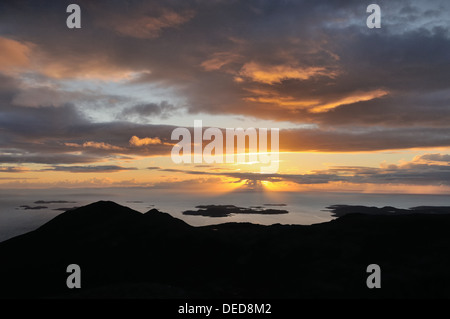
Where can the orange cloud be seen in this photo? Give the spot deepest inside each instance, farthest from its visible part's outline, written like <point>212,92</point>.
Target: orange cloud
<point>136,141</point>
<point>275,98</point>
<point>95,67</point>
<point>313,106</point>
<point>354,98</point>
<point>103,146</point>
<point>14,55</point>
<point>277,73</point>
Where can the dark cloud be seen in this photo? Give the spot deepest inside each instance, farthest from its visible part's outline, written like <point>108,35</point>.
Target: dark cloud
<point>20,158</point>
<point>63,134</point>
<point>162,110</point>
<point>41,121</point>
<point>89,169</point>
<point>363,139</point>
<point>435,157</point>
<point>411,174</point>
<point>402,110</point>
<point>27,207</point>
<point>12,169</point>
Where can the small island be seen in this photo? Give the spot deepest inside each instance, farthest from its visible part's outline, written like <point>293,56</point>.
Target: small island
<point>229,210</point>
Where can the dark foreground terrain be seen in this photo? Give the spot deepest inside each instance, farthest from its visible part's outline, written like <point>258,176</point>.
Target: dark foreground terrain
<point>125,254</point>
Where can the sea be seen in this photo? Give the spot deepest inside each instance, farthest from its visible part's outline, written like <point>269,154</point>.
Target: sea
<point>305,208</point>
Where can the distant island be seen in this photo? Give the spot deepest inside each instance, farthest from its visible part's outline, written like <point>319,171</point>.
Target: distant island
<point>275,204</point>
<point>53,202</point>
<point>64,209</point>
<point>228,210</point>
<point>27,207</point>
<point>341,210</point>
<point>123,253</point>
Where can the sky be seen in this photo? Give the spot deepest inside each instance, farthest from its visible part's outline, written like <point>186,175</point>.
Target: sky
<point>358,109</point>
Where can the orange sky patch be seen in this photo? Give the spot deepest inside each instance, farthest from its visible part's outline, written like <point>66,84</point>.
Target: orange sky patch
<point>14,55</point>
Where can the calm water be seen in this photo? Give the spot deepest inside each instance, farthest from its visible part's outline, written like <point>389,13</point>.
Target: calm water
<point>304,208</point>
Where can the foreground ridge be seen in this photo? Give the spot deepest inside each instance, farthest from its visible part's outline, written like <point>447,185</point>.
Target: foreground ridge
<point>123,253</point>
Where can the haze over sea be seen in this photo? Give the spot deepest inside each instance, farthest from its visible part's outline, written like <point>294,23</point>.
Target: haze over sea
<point>304,208</point>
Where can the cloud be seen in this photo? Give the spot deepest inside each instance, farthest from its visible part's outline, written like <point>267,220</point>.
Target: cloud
<point>255,178</point>
<point>96,145</point>
<point>94,182</point>
<point>89,67</point>
<point>14,55</point>
<point>104,146</point>
<point>219,59</point>
<point>351,99</point>
<point>317,105</point>
<point>277,73</point>
<point>35,97</point>
<point>13,169</point>
<point>148,27</point>
<point>19,158</point>
<point>63,134</point>
<point>89,169</point>
<point>358,139</point>
<point>18,57</point>
<point>136,141</point>
<point>39,90</point>
<point>163,109</point>
<point>434,158</point>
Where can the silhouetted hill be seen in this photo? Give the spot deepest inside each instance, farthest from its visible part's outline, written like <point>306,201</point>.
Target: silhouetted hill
<point>125,254</point>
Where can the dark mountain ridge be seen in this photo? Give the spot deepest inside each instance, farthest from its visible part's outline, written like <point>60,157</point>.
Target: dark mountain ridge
<point>125,254</point>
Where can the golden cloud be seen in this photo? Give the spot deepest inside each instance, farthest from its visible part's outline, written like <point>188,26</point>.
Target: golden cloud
<point>103,146</point>
<point>268,96</point>
<point>354,98</point>
<point>276,73</point>
<point>136,141</point>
